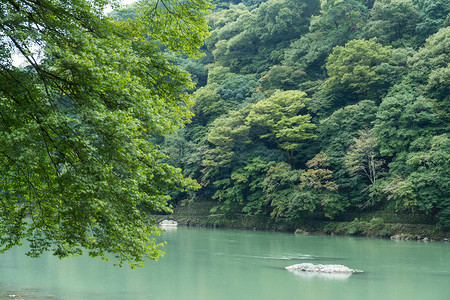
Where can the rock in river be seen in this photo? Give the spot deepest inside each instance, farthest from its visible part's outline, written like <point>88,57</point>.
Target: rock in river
<point>168,223</point>
<point>308,267</point>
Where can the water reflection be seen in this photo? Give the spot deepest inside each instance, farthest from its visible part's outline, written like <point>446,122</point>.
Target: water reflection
<point>328,276</point>
<point>25,294</point>
<point>168,228</point>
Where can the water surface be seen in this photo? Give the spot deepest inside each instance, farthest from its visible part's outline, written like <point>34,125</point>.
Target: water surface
<point>216,264</point>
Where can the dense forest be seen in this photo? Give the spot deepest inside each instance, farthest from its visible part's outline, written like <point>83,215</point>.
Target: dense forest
<point>320,107</point>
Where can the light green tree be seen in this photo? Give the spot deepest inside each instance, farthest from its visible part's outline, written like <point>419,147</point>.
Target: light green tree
<point>355,65</point>
<point>362,159</point>
<point>281,121</point>
<point>78,170</point>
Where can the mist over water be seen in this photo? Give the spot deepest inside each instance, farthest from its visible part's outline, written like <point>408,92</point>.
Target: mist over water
<point>219,264</point>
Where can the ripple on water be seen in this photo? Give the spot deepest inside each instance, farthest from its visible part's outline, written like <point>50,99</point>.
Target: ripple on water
<point>25,294</point>
<point>327,276</point>
<point>291,257</point>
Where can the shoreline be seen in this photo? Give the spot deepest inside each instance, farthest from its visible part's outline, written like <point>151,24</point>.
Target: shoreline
<point>198,214</point>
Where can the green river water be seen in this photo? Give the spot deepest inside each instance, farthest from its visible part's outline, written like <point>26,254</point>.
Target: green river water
<point>214,264</point>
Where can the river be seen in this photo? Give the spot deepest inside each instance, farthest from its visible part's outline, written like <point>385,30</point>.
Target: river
<point>216,264</point>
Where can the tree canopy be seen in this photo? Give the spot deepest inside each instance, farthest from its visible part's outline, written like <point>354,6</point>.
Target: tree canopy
<point>323,107</point>
<point>79,166</point>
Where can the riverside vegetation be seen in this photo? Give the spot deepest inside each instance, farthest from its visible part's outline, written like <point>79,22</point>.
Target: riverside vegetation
<point>370,224</point>
<point>311,111</point>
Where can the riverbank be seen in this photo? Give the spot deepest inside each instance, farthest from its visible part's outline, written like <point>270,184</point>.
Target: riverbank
<point>369,224</point>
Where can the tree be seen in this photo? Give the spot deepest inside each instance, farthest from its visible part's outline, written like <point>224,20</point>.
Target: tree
<point>361,158</point>
<point>336,134</point>
<point>433,15</point>
<point>292,193</point>
<point>344,16</point>
<point>236,88</point>
<point>338,22</point>
<point>318,176</point>
<point>424,184</point>
<point>207,104</point>
<point>282,77</point>
<point>279,120</point>
<point>237,163</point>
<point>430,71</point>
<point>248,141</point>
<point>78,168</point>
<point>355,65</point>
<point>254,41</point>
<point>402,118</point>
<point>393,21</point>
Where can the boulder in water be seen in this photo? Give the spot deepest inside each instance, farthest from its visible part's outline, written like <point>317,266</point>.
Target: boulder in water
<point>168,223</point>
<point>308,267</point>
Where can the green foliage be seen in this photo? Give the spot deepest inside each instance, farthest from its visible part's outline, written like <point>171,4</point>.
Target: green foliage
<point>401,191</point>
<point>253,40</point>
<point>236,88</point>
<point>277,117</point>
<point>331,69</point>
<point>432,56</point>
<point>76,125</point>
<point>430,71</point>
<point>403,116</point>
<point>294,193</point>
<point>235,164</point>
<point>217,74</point>
<point>433,14</point>
<point>343,17</point>
<point>318,176</point>
<point>375,227</point>
<point>429,176</point>
<point>279,185</point>
<point>362,159</point>
<point>336,134</point>
<point>309,53</point>
<point>393,22</point>
<point>207,104</point>
<point>338,22</point>
<point>355,65</point>
<point>282,78</point>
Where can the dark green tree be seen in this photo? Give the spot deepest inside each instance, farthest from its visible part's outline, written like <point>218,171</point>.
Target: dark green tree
<point>77,166</point>
<point>403,117</point>
<point>336,134</point>
<point>295,193</point>
<point>433,15</point>
<point>254,41</point>
<point>429,71</point>
<point>338,22</point>
<point>393,22</point>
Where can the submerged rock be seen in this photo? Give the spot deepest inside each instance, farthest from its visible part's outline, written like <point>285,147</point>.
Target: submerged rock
<point>308,267</point>
<point>168,223</point>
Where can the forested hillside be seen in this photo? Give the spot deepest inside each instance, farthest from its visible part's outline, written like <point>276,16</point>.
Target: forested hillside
<point>323,107</point>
